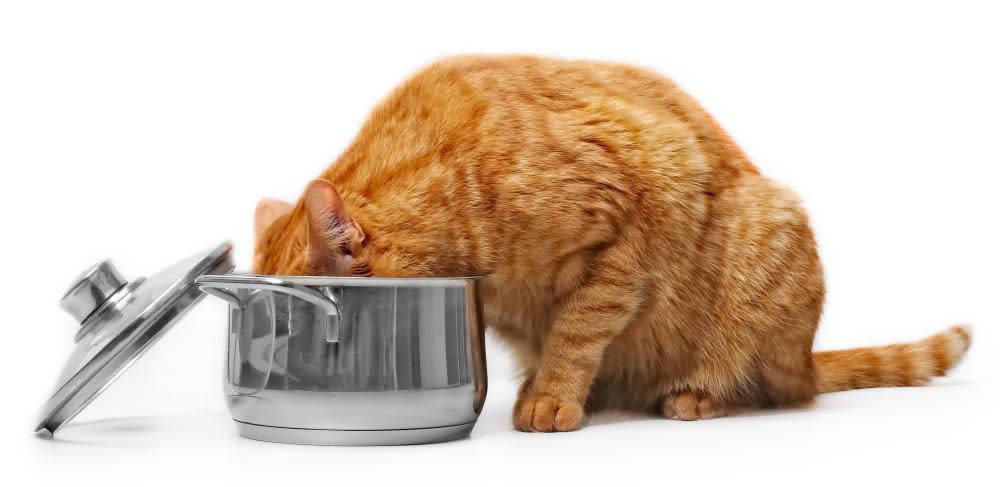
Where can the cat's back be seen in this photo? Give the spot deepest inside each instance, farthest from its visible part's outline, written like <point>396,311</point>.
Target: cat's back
<point>620,97</point>
<point>526,108</point>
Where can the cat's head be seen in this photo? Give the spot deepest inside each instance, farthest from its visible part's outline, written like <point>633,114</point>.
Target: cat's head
<point>316,237</point>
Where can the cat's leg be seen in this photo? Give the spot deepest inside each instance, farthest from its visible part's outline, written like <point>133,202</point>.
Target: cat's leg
<point>587,321</point>
<point>770,284</point>
<point>756,350</point>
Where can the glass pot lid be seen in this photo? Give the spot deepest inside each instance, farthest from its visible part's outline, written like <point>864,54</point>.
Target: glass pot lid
<point>119,320</point>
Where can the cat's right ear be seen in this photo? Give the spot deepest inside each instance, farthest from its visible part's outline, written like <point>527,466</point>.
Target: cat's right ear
<point>333,234</point>
<point>268,211</point>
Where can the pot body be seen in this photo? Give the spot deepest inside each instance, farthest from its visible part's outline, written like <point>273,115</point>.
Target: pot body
<point>328,360</point>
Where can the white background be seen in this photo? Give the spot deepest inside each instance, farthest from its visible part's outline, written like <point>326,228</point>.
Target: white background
<point>146,132</point>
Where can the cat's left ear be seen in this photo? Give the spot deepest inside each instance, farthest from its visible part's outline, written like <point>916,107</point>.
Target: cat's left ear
<point>268,211</point>
<point>334,236</point>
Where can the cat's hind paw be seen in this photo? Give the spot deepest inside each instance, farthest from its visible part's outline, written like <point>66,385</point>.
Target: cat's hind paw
<point>541,413</point>
<point>689,406</point>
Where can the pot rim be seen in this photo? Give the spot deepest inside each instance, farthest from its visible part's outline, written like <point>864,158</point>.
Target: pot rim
<point>341,281</point>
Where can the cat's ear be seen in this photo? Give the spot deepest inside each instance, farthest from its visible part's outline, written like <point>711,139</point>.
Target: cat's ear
<point>333,235</point>
<point>267,212</point>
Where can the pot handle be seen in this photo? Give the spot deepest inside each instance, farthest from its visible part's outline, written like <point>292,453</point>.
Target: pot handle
<point>222,286</point>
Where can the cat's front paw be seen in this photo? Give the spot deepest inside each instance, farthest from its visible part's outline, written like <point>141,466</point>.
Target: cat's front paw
<point>542,413</point>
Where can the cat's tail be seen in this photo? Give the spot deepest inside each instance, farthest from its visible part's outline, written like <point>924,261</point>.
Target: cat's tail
<point>902,364</point>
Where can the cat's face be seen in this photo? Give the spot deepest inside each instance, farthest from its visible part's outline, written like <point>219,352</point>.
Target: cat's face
<point>317,237</point>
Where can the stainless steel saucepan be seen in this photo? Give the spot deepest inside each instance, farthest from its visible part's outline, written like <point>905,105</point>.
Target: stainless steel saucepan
<point>335,360</point>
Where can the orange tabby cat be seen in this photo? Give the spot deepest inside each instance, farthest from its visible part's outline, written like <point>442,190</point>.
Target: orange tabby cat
<point>636,258</point>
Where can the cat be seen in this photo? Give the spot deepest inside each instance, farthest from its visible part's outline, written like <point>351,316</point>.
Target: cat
<point>635,257</point>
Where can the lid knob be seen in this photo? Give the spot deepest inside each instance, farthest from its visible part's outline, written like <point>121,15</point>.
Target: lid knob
<point>91,290</point>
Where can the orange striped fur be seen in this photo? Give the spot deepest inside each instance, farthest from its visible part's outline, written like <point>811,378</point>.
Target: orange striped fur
<point>636,258</point>
<point>905,364</point>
